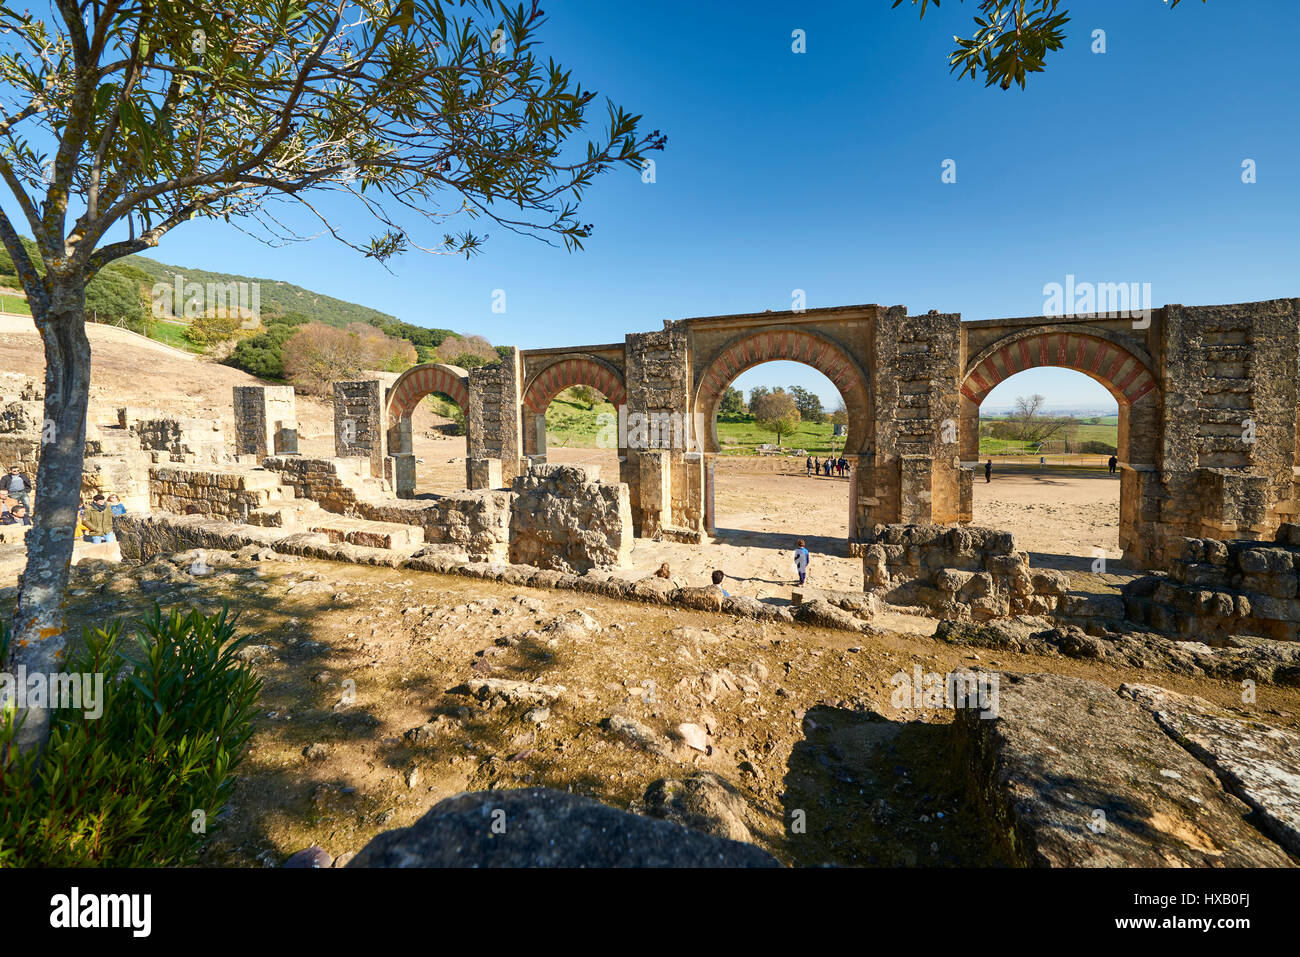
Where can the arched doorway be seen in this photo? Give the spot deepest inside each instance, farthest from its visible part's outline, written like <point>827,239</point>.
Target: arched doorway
<point>788,344</point>
<point>444,458</point>
<point>1124,371</point>
<point>560,377</point>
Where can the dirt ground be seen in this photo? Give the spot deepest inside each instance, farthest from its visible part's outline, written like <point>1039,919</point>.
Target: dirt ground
<point>1060,516</point>
<point>365,721</point>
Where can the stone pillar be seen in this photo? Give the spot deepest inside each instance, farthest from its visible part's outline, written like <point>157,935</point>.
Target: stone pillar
<point>710,493</point>
<point>655,485</point>
<point>493,421</point>
<point>262,414</point>
<point>484,473</point>
<point>403,477</point>
<point>360,422</point>
<point>658,430</point>
<point>918,419</point>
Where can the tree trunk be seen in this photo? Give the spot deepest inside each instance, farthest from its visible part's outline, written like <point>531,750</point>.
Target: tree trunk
<point>38,638</point>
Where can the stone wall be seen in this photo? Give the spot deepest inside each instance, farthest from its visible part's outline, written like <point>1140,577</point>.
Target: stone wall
<point>1218,589</point>
<point>477,521</point>
<point>182,440</point>
<point>223,492</point>
<point>493,424</point>
<point>317,479</point>
<point>361,422</point>
<point>1229,446</point>
<point>916,376</point>
<point>20,433</point>
<point>666,483</point>
<point>963,573</point>
<point>564,518</point>
<point>266,422</point>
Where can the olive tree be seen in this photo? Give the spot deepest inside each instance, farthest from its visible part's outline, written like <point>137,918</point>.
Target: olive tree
<point>121,120</point>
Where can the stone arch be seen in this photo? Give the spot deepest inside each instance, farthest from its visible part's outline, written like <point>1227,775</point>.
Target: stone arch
<point>425,379</point>
<point>571,370</point>
<point>1096,353</point>
<point>412,386</point>
<point>789,345</point>
<point>1125,370</point>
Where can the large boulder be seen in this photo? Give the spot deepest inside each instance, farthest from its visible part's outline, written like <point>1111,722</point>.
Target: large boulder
<point>540,827</point>
<point>1070,774</point>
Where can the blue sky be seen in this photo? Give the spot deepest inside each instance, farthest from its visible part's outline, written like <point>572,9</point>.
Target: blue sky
<point>821,171</point>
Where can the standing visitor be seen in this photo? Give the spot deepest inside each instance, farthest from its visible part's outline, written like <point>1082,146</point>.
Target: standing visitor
<point>1113,463</point>
<point>801,559</point>
<point>988,471</point>
<point>807,464</point>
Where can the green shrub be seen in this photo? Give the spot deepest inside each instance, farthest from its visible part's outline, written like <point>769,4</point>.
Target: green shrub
<point>1096,448</point>
<point>123,790</point>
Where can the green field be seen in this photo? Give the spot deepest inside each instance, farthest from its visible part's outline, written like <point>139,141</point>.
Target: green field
<point>570,423</point>
<point>173,335</point>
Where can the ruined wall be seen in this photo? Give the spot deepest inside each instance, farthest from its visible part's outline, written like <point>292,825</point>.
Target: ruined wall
<point>317,479</point>
<point>1228,445</point>
<point>564,518</point>
<point>493,423</point>
<point>665,482</point>
<point>964,573</point>
<point>361,422</point>
<point>1216,589</point>
<point>266,422</point>
<point>224,492</point>
<point>916,471</point>
<point>182,440</point>
<point>478,521</point>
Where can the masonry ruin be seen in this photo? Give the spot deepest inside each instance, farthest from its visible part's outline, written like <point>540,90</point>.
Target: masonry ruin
<point>1207,401</point>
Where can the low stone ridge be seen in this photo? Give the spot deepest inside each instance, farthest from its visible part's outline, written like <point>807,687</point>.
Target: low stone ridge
<point>1259,659</point>
<point>1215,589</point>
<point>1071,774</point>
<point>541,827</point>
<point>964,573</point>
<point>1257,763</point>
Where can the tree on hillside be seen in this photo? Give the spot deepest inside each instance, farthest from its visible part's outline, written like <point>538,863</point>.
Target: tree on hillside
<point>841,415</point>
<point>1029,423</point>
<point>776,412</point>
<point>586,395</point>
<point>757,393</point>
<point>123,119</point>
<point>316,355</point>
<point>733,402</point>
<point>808,403</point>
<point>1011,40</point>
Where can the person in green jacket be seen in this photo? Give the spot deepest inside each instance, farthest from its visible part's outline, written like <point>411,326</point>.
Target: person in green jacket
<point>98,521</point>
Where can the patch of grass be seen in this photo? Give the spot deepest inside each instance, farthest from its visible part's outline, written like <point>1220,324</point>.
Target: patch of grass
<point>172,335</point>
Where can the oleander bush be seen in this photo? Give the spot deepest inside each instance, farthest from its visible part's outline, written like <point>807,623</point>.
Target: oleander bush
<point>143,783</point>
